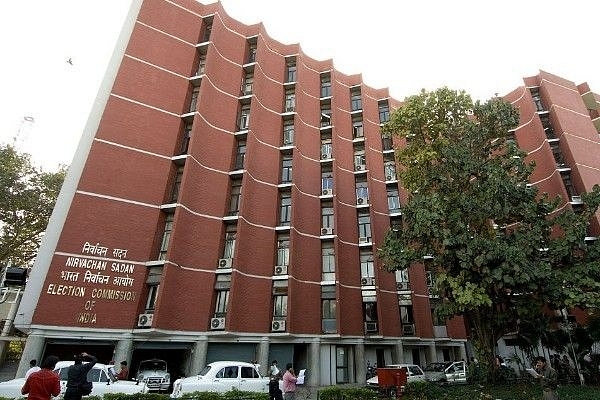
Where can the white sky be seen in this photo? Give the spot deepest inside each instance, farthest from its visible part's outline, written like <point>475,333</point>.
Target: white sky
<point>479,46</point>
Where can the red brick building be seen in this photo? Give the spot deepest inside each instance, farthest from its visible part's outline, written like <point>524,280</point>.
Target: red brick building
<point>226,202</point>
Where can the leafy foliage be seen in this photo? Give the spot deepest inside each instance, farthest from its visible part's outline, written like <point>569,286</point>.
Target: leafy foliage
<point>499,250</point>
<point>27,197</point>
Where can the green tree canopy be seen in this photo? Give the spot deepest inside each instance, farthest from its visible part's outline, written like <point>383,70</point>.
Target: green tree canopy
<point>27,197</point>
<point>498,249</point>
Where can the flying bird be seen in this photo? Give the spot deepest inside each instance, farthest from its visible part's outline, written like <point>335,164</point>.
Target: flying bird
<point>70,61</point>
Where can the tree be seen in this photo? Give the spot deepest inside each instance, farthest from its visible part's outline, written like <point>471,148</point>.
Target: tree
<point>498,250</point>
<point>27,197</point>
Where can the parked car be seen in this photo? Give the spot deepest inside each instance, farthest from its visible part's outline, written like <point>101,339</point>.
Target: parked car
<point>414,373</point>
<point>223,376</point>
<point>154,375</point>
<point>447,372</point>
<point>102,381</point>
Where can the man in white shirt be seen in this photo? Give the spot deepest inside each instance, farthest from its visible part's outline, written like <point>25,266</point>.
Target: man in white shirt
<point>33,367</point>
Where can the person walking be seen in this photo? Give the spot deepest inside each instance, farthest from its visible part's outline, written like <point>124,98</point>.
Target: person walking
<point>43,384</point>
<point>548,378</point>
<point>77,375</point>
<point>289,383</point>
<point>33,367</point>
<point>123,372</point>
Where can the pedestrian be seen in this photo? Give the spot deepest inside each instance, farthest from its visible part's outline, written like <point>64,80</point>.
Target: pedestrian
<point>289,383</point>
<point>77,375</point>
<point>548,378</point>
<point>274,390</point>
<point>124,372</point>
<point>273,370</point>
<point>43,384</point>
<point>33,367</point>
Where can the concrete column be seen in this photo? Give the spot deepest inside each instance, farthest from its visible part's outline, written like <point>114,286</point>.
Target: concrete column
<point>431,354</point>
<point>123,351</point>
<point>34,346</point>
<point>313,372</point>
<point>198,358</point>
<point>359,361</point>
<point>462,353</point>
<point>398,353</point>
<point>262,356</point>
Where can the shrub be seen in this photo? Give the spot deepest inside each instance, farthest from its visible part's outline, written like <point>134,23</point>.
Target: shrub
<point>422,391</point>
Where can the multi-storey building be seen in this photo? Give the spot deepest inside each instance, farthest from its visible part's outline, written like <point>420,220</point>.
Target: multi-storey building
<point>226,201</point>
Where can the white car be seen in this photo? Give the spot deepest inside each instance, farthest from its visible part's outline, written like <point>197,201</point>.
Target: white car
<point>102,382</point>
<point>223,376</point>
<point>414,373</point>
<point>447,372</point>
<point>154,375</point>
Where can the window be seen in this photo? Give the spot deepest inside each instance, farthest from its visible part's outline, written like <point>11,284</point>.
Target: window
<point>291,73</point>
<point>288,133</point>
<point>359,160</point>
<point>290,101</point>
<point>247,84</point>
<point>362,192</point>
<point>283,250</point>
<point>228,373</point>
<point>176,184</point>
<point>327,215</point>
<point>341,364</point>
<point>229,247</point>
<point>571,191</point>
<point>285,209</point>
<point>286,169</point>
<point>387,143</point>
<point>252,53</point>
<point>355,100</point>
<point>367,266</point>
<point>390,171</point>
<point>152,295</point>
<point>370,312</point>
<point>325,115</point>
<point>384,112</point>
<point>201,65</point>
<point>357,128</point>
<point>244,118</point>
<point>326,149</point>
<point>406,314</point>
<point>537,99</point>
<point>221,300</point>
<point>364,226</point>
<point>328,315</point>
<point>393,198</point>
<point>194,100</point>
<point>207,32</point>
<point>240,154</point>
<point>402,275</point>
<point>164,245</point>
<point>185,140</point>
<point>326,181</point>
<point>429,278</point>
<point>327,261</point>
<point>249,373</point>
<point>325,85</point>
<point>236,195</point>
<point>280,306</point>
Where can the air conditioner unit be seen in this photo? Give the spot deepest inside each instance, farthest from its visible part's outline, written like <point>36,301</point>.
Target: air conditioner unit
<point>217,323</point>
<point>145,320</point>
<point>325,156</point>
<point>364,239</point>
<point>327,192</point>
<point>359,167</point>
<point>369,281</point>
<point>326,231</point>
<point>402,286</point>
<point>362,200</point>
<point>576,199</point>
<point>370,326</point>
<point>430,292</point>
<point>408,329</point>
<point>225,262</point>
<point>281,270</point>
<point>278,326</point>
<point>290,109</point>
<point>389,178</point>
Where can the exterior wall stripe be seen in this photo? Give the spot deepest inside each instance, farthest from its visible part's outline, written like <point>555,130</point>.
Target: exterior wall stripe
<point>145,105</point>
<point>118,199</point>
<point>165,33</point>
<point>132,148</point>
<point>187,78</point>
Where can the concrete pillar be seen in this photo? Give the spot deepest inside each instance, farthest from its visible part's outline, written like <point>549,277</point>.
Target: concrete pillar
<point>359,361</point>
<point>431,353</point>
<point>34,346</point>
<point>462,353</point>
<point>313,372</point>
<point>398,353</point>
<point>123,351</point>
<point>262,356</point>
<point>198,358</point>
